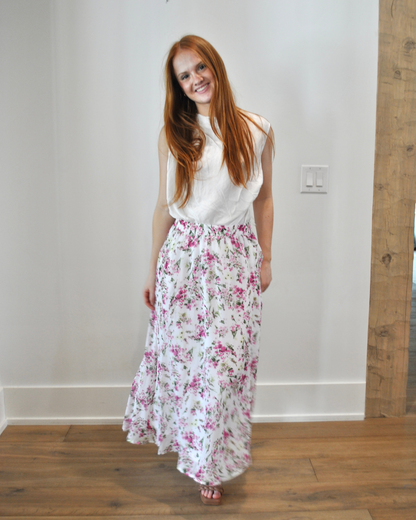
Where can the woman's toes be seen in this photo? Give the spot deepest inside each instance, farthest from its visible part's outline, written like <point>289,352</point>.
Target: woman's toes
<point>209,493</point>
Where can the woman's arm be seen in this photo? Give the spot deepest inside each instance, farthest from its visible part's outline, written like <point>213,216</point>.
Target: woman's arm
<point>263,214</point>
<point>162,222</point>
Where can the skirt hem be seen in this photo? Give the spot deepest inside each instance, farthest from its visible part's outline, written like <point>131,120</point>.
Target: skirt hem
<point>231,476</point>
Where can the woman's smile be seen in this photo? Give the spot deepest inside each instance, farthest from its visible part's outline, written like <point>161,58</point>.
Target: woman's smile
<point>202,89</point>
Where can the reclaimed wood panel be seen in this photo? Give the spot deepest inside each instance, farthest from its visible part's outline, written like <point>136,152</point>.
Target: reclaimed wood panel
<point>411,379</point>
<point>393,211</point>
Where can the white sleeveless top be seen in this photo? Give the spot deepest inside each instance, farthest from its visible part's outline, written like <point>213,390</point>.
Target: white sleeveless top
<point>215,199</point>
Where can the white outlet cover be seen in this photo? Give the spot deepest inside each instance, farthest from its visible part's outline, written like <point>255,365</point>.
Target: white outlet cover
<point>315,170</point>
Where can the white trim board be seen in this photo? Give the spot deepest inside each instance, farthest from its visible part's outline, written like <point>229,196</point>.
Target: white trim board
<point>3,422</point>
<point>106,404</point>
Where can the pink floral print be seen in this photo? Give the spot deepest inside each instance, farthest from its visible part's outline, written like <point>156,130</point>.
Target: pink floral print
<point>194,391</point>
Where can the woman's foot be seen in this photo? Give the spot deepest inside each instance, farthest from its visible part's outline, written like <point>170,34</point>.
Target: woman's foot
<point>211,495</point>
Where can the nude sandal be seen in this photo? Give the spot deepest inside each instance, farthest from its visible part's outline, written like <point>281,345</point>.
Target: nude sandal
<point>211,501</point>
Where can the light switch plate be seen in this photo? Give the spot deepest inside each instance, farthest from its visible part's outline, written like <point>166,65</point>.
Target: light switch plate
<point>316,171</point>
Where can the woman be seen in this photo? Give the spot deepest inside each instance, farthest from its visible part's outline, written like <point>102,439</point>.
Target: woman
<point>194,391</point>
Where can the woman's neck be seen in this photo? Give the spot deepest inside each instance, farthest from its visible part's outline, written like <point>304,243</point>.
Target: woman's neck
<point>203,109</point>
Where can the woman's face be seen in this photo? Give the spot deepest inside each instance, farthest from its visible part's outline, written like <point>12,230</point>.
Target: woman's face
<point>195,78</point>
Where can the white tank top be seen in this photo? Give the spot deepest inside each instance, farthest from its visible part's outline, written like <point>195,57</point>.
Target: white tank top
<point>215,199</point>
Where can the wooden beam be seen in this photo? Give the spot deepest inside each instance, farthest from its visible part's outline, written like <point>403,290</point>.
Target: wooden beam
<point>393,211</point>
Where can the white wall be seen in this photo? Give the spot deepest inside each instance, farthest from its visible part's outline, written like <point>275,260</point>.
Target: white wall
<point>29,265</point>
<point>83,109</point>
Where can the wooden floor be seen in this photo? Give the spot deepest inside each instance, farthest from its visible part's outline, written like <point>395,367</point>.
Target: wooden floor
<point>361,470</point>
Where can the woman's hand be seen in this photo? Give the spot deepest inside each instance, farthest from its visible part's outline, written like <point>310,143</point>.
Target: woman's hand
<point>265,275</point>
<point>149,291</point>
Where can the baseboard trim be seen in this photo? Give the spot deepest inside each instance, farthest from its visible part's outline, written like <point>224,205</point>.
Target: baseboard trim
<point>19,421</point>
<point>3,420</point>
<point>303,402</point>
<point>118,420</point>
<point>3,426</point>
<point>308,418</point>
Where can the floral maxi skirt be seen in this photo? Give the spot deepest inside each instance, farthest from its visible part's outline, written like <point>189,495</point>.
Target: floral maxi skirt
<point>194,391</point>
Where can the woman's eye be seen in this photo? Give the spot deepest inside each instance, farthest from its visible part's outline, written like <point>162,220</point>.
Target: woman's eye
<point>184,77</point>
<point>202,66</point>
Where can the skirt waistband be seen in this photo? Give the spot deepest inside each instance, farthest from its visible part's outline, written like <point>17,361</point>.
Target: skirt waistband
<point>213,230</point>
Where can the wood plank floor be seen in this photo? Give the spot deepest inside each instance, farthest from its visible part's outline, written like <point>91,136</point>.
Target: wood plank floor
<point>364,470</point>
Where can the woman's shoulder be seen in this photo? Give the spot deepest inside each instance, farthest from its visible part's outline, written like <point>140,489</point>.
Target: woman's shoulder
<point>257,118</point>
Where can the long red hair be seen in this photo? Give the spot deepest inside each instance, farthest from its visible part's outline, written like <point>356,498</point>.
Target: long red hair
<point>184,137</point>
